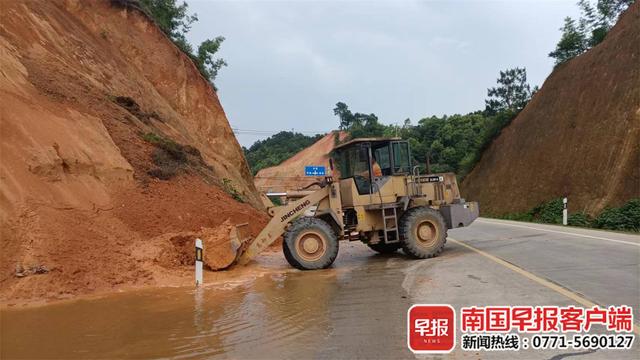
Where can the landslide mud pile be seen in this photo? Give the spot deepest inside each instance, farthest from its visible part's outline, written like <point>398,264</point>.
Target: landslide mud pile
<point>111,140</point>
<point>289,175</point>
<point>578,136</point>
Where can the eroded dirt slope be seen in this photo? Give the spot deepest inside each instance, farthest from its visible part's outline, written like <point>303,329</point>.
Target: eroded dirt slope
<point>289,175</point>
<point>111,139</point>
<point>579,135</point>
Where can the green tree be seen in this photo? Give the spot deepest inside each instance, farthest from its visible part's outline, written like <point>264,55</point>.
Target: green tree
<point>451,143</point>
<point>172,17</point>
<point>174,20</point>
<point>572,43</point>
<point>358,124</point>
<point>599,20</point>
<point>512,93</point>
<point>591,28</point>
<point>206,51</point>
<point>366,125</point>
<point>346,117</point>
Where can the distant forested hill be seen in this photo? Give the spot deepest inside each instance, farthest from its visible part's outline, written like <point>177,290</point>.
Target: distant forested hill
<point>276,149</point>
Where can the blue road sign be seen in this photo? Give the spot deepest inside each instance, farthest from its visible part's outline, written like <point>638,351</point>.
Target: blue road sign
<point>314,171</point>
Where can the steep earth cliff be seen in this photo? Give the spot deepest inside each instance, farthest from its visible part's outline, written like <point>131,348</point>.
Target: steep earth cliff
<point>289,175</point>
<point>579,135</point>
<point>113,145</point>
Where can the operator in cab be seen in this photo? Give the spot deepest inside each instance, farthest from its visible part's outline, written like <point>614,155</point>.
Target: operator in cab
<point>375,167</point>
<point>377,170</point>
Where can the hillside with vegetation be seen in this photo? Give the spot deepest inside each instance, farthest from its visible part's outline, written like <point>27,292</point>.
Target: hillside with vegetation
<point>449,142</point>
<point>458,142</point>
<point>578,137</point>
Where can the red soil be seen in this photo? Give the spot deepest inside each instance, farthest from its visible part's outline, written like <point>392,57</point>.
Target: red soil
<point>579,135</point>
<point>79,212</point>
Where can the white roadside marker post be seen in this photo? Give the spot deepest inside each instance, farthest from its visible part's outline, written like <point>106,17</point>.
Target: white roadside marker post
<point>564,211</point>
<point>198,262</point>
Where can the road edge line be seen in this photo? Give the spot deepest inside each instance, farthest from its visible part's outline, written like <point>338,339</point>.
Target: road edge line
<point>559,232</point>
<point>541,281</point>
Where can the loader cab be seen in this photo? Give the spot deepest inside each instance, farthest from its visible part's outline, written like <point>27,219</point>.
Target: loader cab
<point>370,162</point>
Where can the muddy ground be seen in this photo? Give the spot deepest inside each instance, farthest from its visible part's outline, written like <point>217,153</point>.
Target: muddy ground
<point>356,309</point>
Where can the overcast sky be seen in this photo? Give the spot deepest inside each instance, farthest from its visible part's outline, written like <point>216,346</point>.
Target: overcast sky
<point>291,61</point>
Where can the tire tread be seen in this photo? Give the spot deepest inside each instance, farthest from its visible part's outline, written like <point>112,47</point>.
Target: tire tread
<point>306,223</point>
<point>409,245</point>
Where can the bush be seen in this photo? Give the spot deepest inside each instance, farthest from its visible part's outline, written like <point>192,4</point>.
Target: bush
<point>134,109</point>
<point>579,219</point>
<point>227,185</point>
<point>626,217</point>
<point>170,158</point>
<point>172,149</point>
<point>549,212</point>
<point>518,216</point>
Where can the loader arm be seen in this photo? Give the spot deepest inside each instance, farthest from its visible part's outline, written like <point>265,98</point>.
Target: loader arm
<point>281,216</point>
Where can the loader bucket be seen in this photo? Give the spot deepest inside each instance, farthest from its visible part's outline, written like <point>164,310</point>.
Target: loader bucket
<point>239,239</point>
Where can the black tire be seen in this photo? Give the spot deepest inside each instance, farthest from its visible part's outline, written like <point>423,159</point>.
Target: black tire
<point>423,232</point>
<point>383,248</point>
<point>322,242</point>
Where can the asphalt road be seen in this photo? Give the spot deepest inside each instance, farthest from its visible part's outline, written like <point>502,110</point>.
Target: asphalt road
<point>357,309</point>
<point>604,267</point>
<point>496,262</point>
<point>536,264</point>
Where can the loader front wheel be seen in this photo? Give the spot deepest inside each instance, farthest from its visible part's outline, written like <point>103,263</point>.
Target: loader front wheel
<point>310,244</point>
<point>423,232</point>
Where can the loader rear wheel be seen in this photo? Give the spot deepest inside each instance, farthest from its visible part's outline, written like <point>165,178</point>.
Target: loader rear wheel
<point>383,248</point>
<point>423,232</point>
<point>310,244</point>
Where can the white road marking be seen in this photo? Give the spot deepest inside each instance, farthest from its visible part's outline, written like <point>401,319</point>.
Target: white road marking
<point>544,282</point>
<point>560,232</point>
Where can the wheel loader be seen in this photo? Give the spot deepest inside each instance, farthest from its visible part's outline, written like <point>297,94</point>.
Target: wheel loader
<point>379,199</point>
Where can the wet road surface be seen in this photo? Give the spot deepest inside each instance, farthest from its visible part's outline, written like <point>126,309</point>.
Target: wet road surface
<point>357,309</point>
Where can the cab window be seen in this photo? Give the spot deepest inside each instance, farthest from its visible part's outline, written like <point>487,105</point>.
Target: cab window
<point>401,157</point>
<point>383,159</point>
<point>352,161</point>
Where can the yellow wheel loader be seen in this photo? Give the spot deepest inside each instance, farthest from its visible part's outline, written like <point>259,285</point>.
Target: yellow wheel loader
<point>379,199</point>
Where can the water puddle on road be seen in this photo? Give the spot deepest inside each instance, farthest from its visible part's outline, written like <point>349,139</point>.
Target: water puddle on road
<point>358,304</point>
<point>267,314</point>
